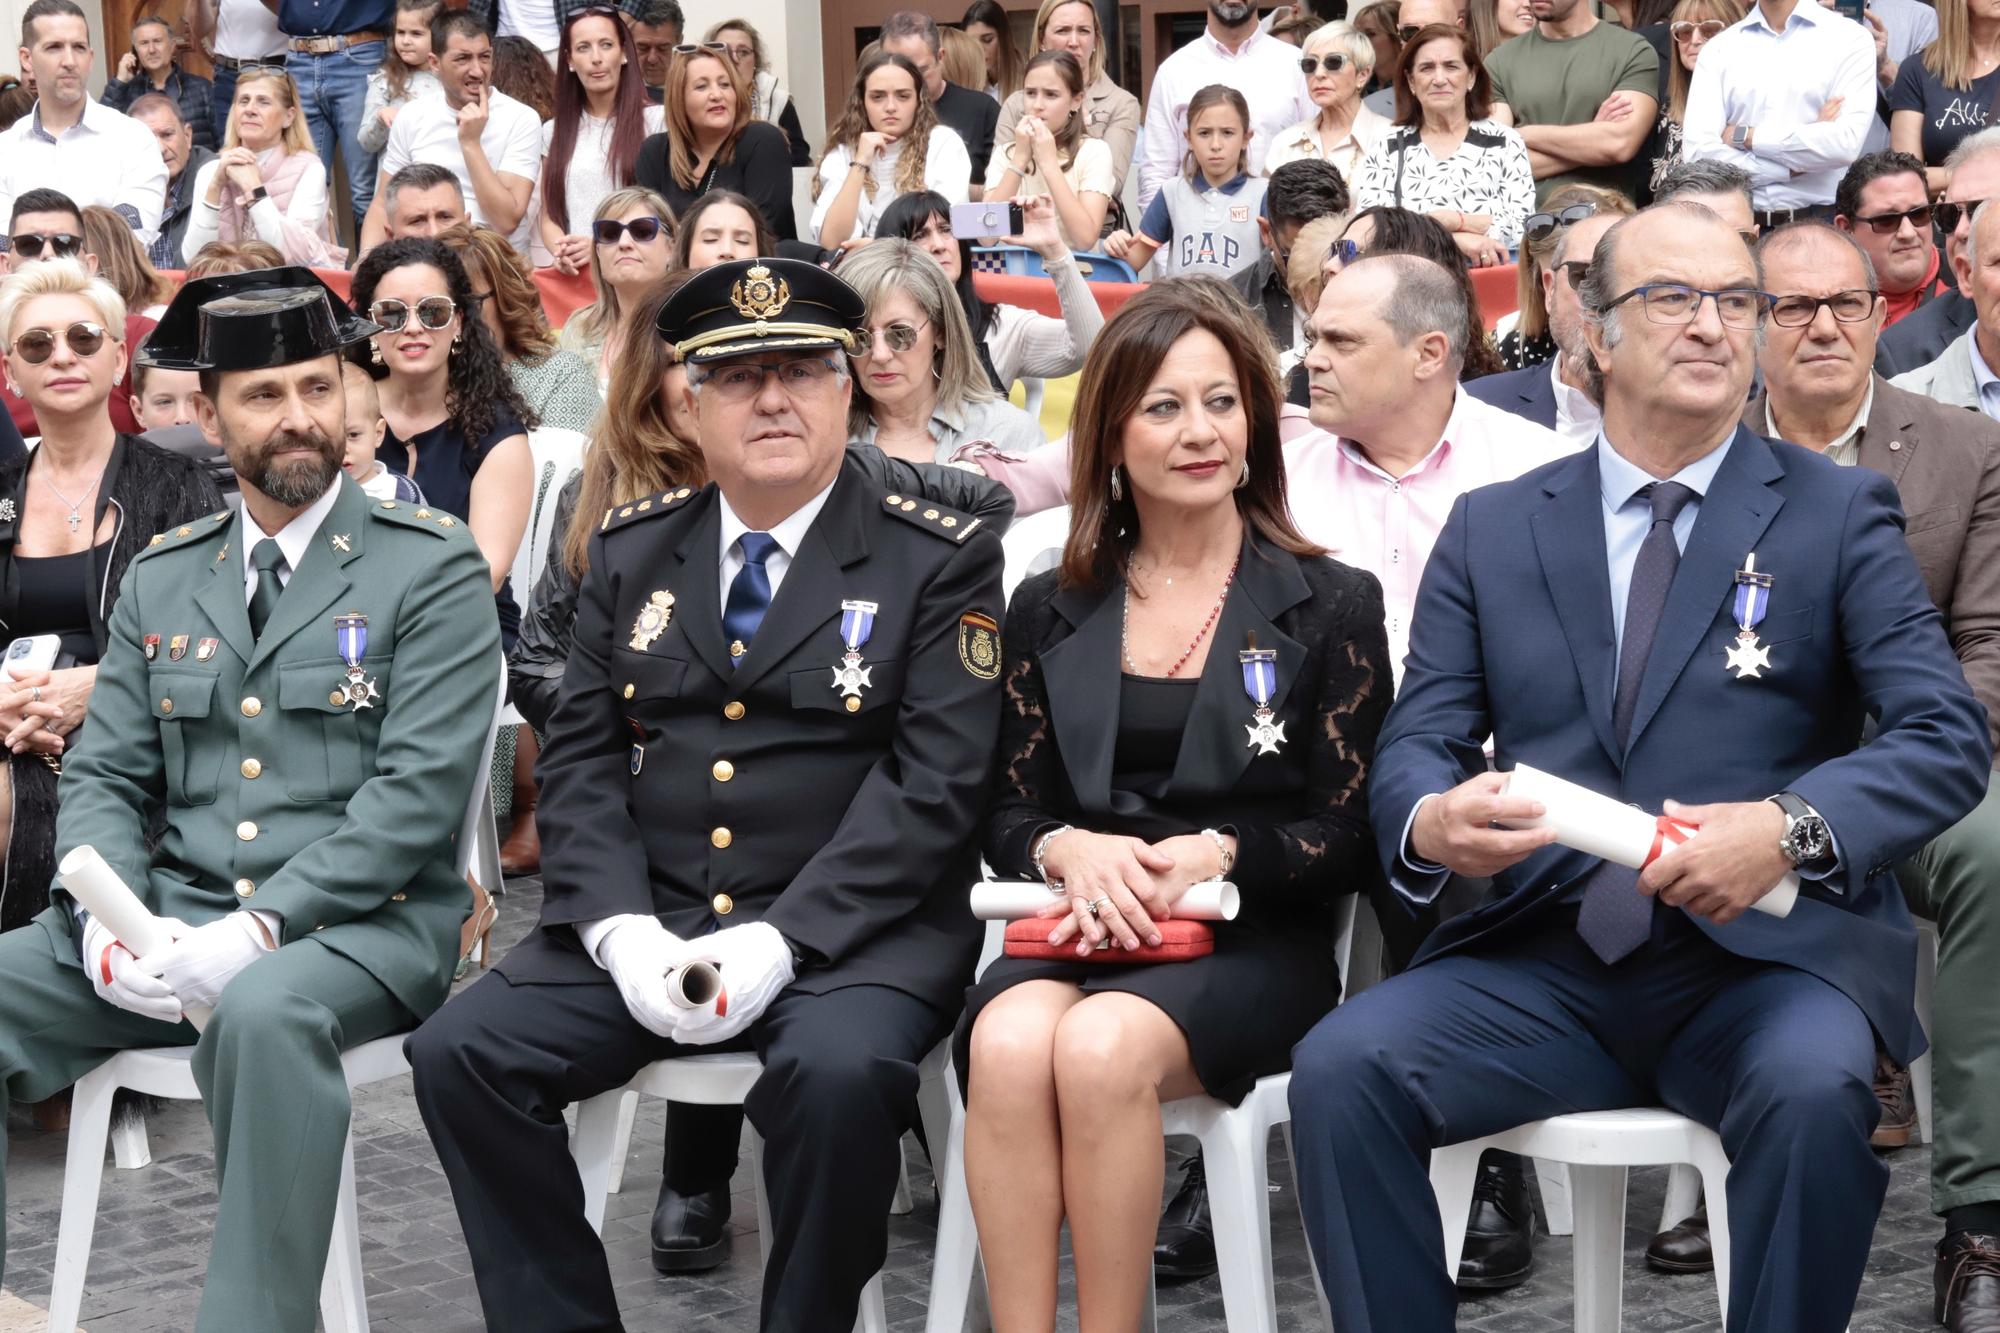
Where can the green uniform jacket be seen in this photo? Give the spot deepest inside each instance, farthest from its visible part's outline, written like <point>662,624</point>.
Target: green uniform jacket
<point>275,793</point>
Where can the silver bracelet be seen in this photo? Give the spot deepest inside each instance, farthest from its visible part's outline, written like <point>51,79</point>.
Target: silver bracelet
<point>1041,848</point>
<point>1228,857</point>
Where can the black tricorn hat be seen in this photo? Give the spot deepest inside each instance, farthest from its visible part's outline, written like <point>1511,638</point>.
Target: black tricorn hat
<point>761,305</point>
<point>253,321</point>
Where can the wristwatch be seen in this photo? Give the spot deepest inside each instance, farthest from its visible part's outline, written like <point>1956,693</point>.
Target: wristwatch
<point>259,195</point>
<point>1807,844</point>
<point>1741,138</point>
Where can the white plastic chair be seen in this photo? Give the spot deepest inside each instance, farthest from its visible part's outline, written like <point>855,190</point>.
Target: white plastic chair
<point>1032,545</point>
<point>723,1079</point>
<point>167,1072</point>
<point>1597,1146</point>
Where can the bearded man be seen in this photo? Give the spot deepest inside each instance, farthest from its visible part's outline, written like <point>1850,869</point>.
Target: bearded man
<point>296,694</point>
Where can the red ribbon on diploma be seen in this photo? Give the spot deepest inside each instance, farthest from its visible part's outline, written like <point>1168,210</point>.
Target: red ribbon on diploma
<point>1667,832</point>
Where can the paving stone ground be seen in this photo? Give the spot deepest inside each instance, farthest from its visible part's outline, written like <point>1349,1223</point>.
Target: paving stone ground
<point>154,1224</point>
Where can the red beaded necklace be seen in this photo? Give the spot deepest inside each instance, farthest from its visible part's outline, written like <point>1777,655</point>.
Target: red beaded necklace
<point>1125,619</point>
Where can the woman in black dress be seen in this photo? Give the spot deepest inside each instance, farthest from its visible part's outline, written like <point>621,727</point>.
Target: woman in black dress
<point>1125,775</point>
<point>72,516</point>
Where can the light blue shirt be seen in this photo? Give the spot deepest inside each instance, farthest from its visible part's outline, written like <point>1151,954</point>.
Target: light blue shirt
<point>1987,382</point>
<point>1628,517</point>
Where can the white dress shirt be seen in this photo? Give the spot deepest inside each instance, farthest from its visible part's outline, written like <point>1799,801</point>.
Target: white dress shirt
<point>106,158</point>
<point>1264,69</point>
<point>1578,420</point>
<point>426,130</point>
<point>1364,135</point>
<point>1776,81</point>
<point>947,170</point>
<point>293,539</point>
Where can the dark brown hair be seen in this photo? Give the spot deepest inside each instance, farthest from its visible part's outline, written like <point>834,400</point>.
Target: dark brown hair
<point>1478,98</point>
<point>628,117</point>
<point>1116,374</point>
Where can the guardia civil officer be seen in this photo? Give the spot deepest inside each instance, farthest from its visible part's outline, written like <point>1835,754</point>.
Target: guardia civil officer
<point>294,690</point>
<point>768,750</point>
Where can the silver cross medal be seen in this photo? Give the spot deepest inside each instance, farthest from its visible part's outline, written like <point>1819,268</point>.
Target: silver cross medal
<point>850,677</point>
<point>1747,658</point>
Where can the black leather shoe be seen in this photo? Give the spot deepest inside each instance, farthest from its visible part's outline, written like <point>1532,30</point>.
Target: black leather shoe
<point>690,1231</point>
<point>1185,1249</point>
<point>1967,1280</point>
<point>1500,1233</point>
<point>1683,1248</point>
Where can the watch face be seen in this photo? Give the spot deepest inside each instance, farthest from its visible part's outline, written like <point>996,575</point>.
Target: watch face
<point>1810,839</point>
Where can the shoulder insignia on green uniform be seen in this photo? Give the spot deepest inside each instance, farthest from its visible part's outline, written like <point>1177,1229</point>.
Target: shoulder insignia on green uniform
<point>404,516</point>
<point>173,538</point>
<point>951,524</point>
<point>660,503</point>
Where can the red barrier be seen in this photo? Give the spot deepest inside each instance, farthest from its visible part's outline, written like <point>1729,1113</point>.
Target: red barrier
<point>562,294</point>
<point>1039,294</point>
<point>1498,291</point>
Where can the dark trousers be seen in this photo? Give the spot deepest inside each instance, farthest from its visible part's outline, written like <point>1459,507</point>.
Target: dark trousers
<point>495,1067</point>
<point>1775,1060</point>
<point>701,1147</point>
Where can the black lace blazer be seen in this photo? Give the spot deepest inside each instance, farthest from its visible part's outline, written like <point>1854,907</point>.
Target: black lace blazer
<point>1300,816</point>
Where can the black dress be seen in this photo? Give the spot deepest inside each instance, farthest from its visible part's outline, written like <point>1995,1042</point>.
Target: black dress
<point>446,465</point>
<point>760,169</point>
<point>1083,744</point>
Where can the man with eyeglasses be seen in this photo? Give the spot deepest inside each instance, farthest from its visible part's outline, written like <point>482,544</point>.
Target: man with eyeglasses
<point>717,785</point>
<point>1963,374</point>
<point>489,141</point>
<point>1589,617</point>
<point>1974,167</point>
<point>1556,83</point>
<point>1883,204</point>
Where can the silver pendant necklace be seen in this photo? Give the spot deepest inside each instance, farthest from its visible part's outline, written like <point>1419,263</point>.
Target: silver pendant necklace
<point>75,506</point>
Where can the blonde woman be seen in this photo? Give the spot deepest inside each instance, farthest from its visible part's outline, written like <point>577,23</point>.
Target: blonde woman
<point>1338,61</point>
<point>922,392</point>
<point>888,143</point>
<point>1693,24</point>
<point>1109,112</point>
<point>632,247</point>
<point>266,184</point>
<point>1949,91</point>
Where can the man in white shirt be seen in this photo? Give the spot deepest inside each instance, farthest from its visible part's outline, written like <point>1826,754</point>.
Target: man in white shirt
<point>1229,51</point>
<point>491,142</point>
<point>236,34</point>
<point>1763,99</point>
<point>68,142</point>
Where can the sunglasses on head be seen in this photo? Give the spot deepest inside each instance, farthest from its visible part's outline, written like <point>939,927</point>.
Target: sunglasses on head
<point>1884,223</point>
<point>900,337</point>
<point>38,345</point>
<point>644,230</point>
<point>1684,31</point>
<point>62,245</point>
<point>1950,214</point>
<point>696,48</point>
<point>1541,226</point>
<point>1343,252</point>
<point>433,312</point>
<point>1333,63</point>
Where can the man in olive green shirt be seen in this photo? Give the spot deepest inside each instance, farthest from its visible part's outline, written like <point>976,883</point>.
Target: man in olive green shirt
<point>296,694</point>
<point>1556,85</point>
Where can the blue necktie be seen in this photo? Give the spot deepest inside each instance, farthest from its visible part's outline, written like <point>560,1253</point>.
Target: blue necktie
<point>1616,918</point>
<point>749,593</point>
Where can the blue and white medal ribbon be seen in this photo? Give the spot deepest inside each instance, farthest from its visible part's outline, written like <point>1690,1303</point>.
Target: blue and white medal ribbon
<point>1747,657</point>
<point>857,622</point>
<point>1260,682</point>
<point>350,637</point>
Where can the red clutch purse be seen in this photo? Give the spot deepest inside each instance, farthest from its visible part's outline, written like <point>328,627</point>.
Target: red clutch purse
<point>1179,941</point>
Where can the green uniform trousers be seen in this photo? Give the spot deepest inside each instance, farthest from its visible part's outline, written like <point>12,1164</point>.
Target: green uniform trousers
<point>268,1066</point>
<point>1955,881</point>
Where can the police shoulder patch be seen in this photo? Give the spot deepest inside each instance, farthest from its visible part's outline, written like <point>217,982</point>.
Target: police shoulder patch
<point>979,645</point>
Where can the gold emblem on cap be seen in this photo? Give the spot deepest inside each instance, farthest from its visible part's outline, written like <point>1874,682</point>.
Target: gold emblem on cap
<point>758,295</point>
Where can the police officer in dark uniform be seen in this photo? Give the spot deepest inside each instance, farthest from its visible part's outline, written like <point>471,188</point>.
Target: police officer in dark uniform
<point>769,751</point>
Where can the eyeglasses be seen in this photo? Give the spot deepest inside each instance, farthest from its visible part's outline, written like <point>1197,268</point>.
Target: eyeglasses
<point>1343,252</point>
<point>740,53</point>
<point>741,381</point>
<point>1540,226</point>
<point>62,245</point>
<point>1849,307</point>
<point>1334,64</point>
<point>1685,31</point>
<point>1884,223</point>
<point>1673,303</point>
<point>696,48</point>
<point>1576,270</point>
<point>433,312</point>
<point>38,345</point>
<point>900,337</point>
<point>644,230</point>
<point>1949,214</point>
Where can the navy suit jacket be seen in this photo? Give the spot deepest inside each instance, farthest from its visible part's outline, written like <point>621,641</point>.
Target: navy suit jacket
<point>1526,392</point>
<point>1512,635</point>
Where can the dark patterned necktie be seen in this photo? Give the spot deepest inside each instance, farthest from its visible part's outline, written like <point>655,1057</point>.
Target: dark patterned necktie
<point>1616,918</point>
<point>749,593</point>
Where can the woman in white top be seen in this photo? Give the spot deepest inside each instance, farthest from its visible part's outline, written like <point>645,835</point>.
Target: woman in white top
<point>591,146</point>
<point>266,184</point>
<point>1338,61</point>
<point>1052,156</point>
<point>888,143</point>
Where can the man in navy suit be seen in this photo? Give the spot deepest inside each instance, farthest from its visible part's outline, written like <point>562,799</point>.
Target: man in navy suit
<point>1585,617</point>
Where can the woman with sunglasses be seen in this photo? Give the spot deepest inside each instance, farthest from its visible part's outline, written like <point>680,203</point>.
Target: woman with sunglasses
<point>73,515</point>
<point>1338,62</point>
<point>1377,22</point>
<point>590,147</point>
<point>557,385</point>
<point>921,393</point>
<point>457,425</point>
<point>1528,342</point>
<point>267,183</point>
<point>1109,112</point>
<point>1961,69</point>
<point>1693,25</point>
<point>632,248</point>
<point>712,142</point>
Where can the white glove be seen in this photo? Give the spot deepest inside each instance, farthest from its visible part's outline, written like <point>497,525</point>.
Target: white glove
<point>118,979</point>
<point>638,952</point>
<point>200,962</point>
<point>756,964</point>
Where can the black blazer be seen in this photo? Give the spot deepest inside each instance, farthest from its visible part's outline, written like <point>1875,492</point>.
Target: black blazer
<point>1920,337</point>
<point>972,116</point>
<point>676,786</point>
<point>760,168</point>
<point>1527,392</point>
<point>1300,816</point>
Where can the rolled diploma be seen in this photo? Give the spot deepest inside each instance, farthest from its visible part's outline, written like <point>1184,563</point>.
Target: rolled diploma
<point>97,887</point>
<point>695,983</point>
<point>1016,900</point>
<point>1596,825</point>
